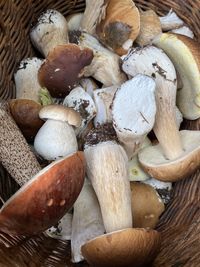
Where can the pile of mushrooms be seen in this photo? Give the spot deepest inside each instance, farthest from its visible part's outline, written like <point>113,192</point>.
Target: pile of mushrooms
<point>102,109</point>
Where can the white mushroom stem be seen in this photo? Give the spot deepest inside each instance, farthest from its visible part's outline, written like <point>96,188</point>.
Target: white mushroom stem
<point>184,30</point>
<point>154,62</point>
<point>133,111</point>
<point>87,221</point>
<point>83,103</point>
<point>105,66</point>
<point>103,100</point>
<point>26,79</point>
<point>107,171</point>
<point>15,154</point>
<point>170,21</point>
<point>51,30</point>
<point>74,21</point>
<point>88,85</point>
<point>94,12</point>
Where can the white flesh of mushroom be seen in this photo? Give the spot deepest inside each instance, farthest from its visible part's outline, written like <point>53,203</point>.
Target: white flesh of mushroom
<point>184,31</point>
<point>87,221</point>
<point>103,100</point>
<point>26,79</point>
<point>105,66</point>
<point>74,21</point>
<point>133,111</point>
<point>107,171</point>
<point>170,21</point>
<point>51,30</point>
<point>82,102</point>
<point>88,85</point>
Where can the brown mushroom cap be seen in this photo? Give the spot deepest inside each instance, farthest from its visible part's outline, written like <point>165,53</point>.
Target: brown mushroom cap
<point>44,200</point>
<point>61,113</point>
<point>63,68</point>
<point>158,166</point>
<point>129,247</point>
<point>147,205</point>
<point>25,113</point>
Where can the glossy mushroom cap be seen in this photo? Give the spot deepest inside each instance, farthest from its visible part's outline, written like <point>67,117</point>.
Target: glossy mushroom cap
<point>63,68</point>
<point>25,112</point>
<point>45,199</point>
<point>129,247</point>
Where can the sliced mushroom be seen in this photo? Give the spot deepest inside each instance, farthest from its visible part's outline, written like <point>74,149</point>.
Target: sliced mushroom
<point>56,138</point>
<point>184,30</point>
<point>170,21</point>
<point>133,111</point>
<point>87,221</point>
<point>185,55</point>
<point>42,201</point>
<point>105,66</point>
<point>121,25</point>
<point>51,30</point>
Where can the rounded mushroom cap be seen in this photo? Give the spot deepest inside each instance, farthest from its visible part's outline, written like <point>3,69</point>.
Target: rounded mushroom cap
<point>25,112</point>
<point>44,200</point>
<point>147,205</point>
<point>60,113</point>
<point>158,166</point>
<point>63,68</point>
<point>129,247</point>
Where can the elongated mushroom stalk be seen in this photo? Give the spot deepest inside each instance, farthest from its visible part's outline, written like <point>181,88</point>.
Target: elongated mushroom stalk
<point>103,100</point>
<point>133,111</point>
<point>82,102</point>
<point>171,21</point>
<point>15,154</point>
<point>105,66</point>
<point>184,30</point>
<point>51,30</point>
<point>177,155</point>
<point>87,220</point>
<point>94,11</point>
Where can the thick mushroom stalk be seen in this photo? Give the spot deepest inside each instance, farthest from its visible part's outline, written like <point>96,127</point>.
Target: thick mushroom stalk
<point>51,30</point>
<point>133,111</point>
<point>105,66</point>
<point>87,222</point>
<point>15,154</point>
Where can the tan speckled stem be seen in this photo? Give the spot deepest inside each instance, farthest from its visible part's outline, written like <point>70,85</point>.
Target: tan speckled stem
<point>15,153</point>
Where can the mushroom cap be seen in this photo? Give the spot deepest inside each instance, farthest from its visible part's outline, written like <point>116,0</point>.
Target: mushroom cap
<point>60,113</point>
<point>44,200</point>
<point>63,68</point>
<point>25,112</point>
<point>129,247</point>
<point>158,166</point>
<point>147,205</point>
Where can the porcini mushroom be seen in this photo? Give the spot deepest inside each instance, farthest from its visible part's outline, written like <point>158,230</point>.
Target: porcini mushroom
<point>56,138</point>
<point>120,26</point>
<point>170,21</point>
<point>45,198</point>
<point>176,156</point>
<point>184,30</point>
<point>74,21</point>
<point>105,66</point>
<point>122,245</point>
<point>87,220</point>
<point>185,54</point>
<point>50,30</point>
<point>89,85</point>
<point>133,112</point>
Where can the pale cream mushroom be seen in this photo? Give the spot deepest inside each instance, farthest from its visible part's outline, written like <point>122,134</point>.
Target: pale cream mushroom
<point>87,221</point>
<point>184,30</point>
<point>170,21</point>
<point>184,52</point>
<point>74,21</point>
<point>89,85</point>
<point>133,112</point>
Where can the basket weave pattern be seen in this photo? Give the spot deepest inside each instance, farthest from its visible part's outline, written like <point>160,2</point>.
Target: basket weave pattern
<point>179,225</point>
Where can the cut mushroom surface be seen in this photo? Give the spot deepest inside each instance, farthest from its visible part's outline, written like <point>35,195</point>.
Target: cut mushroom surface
<point>133,111</point>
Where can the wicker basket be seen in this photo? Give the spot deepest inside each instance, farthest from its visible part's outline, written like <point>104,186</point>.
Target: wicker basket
<point>179,225</point>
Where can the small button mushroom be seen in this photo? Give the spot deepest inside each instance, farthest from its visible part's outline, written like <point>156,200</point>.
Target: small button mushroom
<point>185,54</point>
<point>170,21</point>
<point>82,102</point>
<point>133,112</point>
<point>147,205</point>
<point>50,30</point>
<point>120,25</point>
<point>55,73</point>
<point>56,138</point>
<point>105,66</point>
<point>112,187</point>
<point>87,221</point>
<point>41,202</point>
